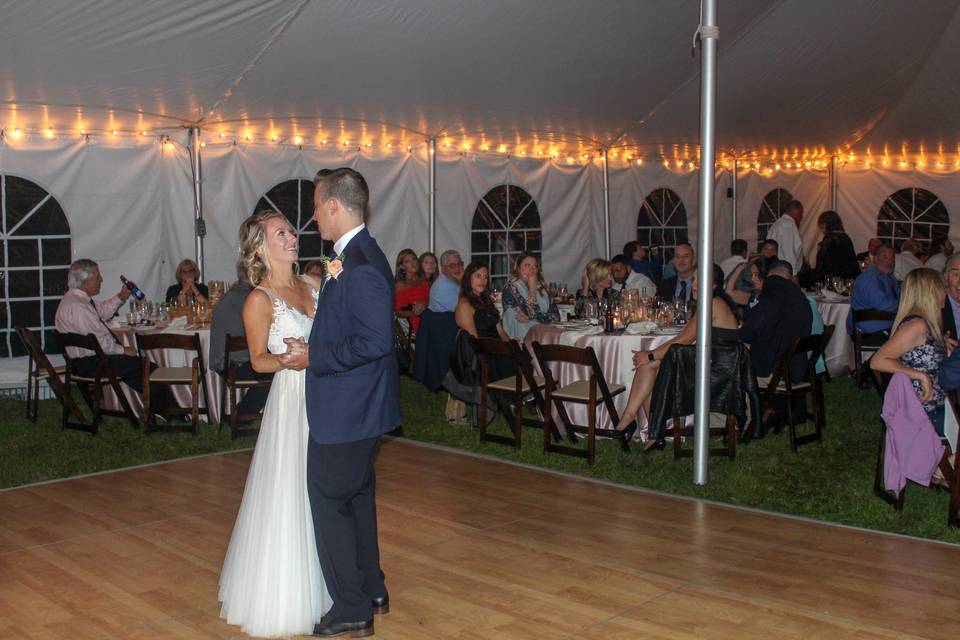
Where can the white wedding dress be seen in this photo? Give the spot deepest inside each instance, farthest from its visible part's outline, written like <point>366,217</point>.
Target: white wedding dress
<point>271,583</point>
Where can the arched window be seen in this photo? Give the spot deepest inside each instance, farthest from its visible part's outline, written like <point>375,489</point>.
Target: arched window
<point>662,222</point>
<point>294,199</point>
<point>772,207</point>
<point>505,223</point>
<point>34,263</point>
<point>912,213</point>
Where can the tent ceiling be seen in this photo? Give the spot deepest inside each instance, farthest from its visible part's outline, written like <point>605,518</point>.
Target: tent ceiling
<point>794,74</point>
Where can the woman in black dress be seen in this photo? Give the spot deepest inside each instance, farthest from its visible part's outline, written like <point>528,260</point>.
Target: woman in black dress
<point>835,256</point>
<point>476,313</point>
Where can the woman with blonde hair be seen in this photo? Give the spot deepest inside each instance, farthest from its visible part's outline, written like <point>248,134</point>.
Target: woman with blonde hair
<point>187,285</point>
<point>916,346</point>
<point>526,300</point>
<point>595,284</point>
<point>271,583</point>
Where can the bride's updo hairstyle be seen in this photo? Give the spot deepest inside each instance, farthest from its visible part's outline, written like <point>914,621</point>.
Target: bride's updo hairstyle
<point>253,254</point>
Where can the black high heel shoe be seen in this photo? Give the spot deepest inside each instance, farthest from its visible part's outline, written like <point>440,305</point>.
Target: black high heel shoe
<point>651,445</point>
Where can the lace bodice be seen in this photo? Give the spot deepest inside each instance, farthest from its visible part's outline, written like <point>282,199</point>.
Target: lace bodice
<point>288,322</point>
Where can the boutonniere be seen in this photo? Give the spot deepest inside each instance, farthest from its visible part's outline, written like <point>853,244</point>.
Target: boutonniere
<point>333,268</point>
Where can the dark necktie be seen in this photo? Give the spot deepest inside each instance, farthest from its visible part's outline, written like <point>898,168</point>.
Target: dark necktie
<point>97,313</point>
<point>683,290</point>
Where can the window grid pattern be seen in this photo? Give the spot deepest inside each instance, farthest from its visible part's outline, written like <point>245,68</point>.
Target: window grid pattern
<point>662,222</point>
<point>773,206</point>
<point>912,213</point>
<point>505,224</point>
<point>36,258</point>
<point>294,199</point>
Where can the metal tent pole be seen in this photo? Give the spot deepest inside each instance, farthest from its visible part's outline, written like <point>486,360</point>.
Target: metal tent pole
<point>199,226</point>
<point>606,203</point>
<point>834,183</point>
<point>708,97</point>
<point>432,173</point>
<point>733,217</point>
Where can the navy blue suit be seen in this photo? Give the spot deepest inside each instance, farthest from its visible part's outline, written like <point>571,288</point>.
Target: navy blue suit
<point>352,391</point>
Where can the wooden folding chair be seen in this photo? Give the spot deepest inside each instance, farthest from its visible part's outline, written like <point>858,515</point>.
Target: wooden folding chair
<point>524,383</point>
<point>232,384</point>
<point>584,391</point>
<point>91,387</point>
<point>779,384</point>
<point>193,376</point>
<point>40,369</point>
<point>865,315</point>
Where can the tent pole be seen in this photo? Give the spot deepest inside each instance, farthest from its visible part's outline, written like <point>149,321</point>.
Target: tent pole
<point>709,33</point>
<point>834,183</point>
<point>432,172</point>
<point>200,229</point>
<point>733,216</point>
<point>606,202</point>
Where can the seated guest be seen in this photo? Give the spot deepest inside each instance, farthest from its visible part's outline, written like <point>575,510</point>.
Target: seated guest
<point>526,301</point>
<point>781,313</point>
<point>916,347</point>
<point>646,364</point>
<point>679,286</point>
<point>835,255</point>
<point>738,255</point>
<point>79,313</point>
<point>228,320</point>
<point>445,290</point>
<point>770,248</point>
<point>872,245</point>
<point>951,310</point>
<point>411,292</point>
<point>624,277</point>
<point>875,288</point>
<point>940,250</point>
<point>647,263</point>
<point>745,283</point>
<point>907,260</point>
<point>187,285</point>
<point>594,286</point>
<point>428,266</point>
<point>314,269</point>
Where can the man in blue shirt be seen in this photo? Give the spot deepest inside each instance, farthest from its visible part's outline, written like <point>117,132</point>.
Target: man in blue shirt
<point>445,291</point>
<point>877,289</point>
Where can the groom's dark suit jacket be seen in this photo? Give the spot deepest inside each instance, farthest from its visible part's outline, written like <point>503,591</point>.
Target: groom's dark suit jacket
<point>352,384</point>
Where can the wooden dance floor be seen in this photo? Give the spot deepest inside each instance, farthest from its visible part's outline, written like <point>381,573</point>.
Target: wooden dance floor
<point>472,548</point>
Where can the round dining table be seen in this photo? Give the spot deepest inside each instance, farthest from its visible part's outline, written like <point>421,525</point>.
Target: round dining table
<point>839,352</point>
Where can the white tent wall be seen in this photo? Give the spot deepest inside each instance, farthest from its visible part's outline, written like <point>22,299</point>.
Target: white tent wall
<point>862,192</point>
<point>569,198</point>
<point>235,177</point>
<point>128,201</point>
<point>812,188</point>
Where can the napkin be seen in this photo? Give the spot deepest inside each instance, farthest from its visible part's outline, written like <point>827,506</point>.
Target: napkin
<point>641,328</point>
<point>832,296</point>
<point>569,338</point>
<point>177,324</point>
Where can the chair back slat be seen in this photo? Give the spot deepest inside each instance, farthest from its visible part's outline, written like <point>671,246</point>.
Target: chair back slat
<point>151,341</point>
<point>235,343</point>
<point>870,315</point>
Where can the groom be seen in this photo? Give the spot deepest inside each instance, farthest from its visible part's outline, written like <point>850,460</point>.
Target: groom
<point>352,394</point>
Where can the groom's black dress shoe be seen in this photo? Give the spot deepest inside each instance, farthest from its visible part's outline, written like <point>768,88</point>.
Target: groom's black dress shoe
<point>381,605</point>
<point>332,629</point>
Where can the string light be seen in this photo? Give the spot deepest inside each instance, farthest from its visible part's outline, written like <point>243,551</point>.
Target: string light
<point>16,134</point>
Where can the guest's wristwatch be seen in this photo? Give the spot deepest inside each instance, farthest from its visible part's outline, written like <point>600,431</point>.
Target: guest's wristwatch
<point>651,357</point>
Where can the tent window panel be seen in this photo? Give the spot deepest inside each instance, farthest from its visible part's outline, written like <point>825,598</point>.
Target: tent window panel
<point>23,284</point>
<point>56,251</point>
<point>50,312</point>
<point>662,221</point>
<point>534,242</point>
<point>285,198</point>
<point>22,196</point>
<point>54,281</point>
<point>48,219</point>
<point>915,213</point>
<point>885,229</point>
<point>682,237</point>
<point>294,199</point>
<point>479,242</point>
<point>506,222</point>
<point>921,231</point>
<point>26,313</point>
<point>50,342</point>
<point>311,246</point>
<point>23,253</point>
<point>483,218</point>
<point>773,206</point>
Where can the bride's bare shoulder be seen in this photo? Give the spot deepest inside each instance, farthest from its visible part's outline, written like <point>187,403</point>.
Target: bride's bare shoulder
<point>258,303</point>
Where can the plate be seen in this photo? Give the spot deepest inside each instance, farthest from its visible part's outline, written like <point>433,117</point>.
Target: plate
<point>668,331</point>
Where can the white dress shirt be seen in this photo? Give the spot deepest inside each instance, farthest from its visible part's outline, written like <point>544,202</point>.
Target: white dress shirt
<point>341,244</point>
<point>730,264</point>
<point>75,314</point>
<point>937,262</point>
<point>905,263</point>
<point>637,281</point>
<point>785,232</point>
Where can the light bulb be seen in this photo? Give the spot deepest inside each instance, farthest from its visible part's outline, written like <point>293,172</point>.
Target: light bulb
<point>222,134</point>
<point>203,145</point>
<point>297,140</point>
<point>17,133</point>
<point>324,141</point>
<point>143,133</point>
<point>113,132</point>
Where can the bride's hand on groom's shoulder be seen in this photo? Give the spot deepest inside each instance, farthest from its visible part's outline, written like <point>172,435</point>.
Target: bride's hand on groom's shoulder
<point>297,356</point>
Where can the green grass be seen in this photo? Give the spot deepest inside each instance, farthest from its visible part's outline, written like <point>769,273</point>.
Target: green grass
<point>831,481</point>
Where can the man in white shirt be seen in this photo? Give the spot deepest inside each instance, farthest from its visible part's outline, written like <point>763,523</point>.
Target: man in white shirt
<point>907,259</point>
<point>786,232</point>
<point>738,255</point>
<point>624,277</point>
<point>940,250</point>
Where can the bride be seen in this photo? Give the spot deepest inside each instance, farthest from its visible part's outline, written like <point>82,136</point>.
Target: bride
<point>271,583</point>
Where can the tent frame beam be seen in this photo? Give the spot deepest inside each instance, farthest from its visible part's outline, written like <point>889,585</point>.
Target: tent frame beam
<point>199,225</point>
